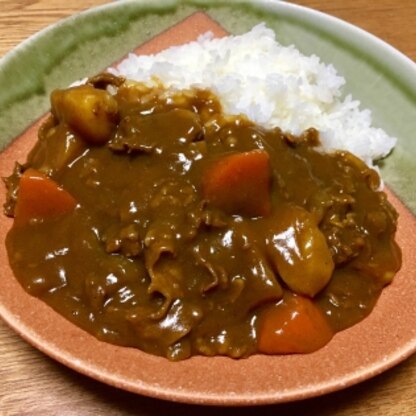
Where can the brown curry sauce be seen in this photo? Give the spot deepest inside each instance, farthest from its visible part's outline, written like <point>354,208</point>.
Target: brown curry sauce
<point>165,225</point>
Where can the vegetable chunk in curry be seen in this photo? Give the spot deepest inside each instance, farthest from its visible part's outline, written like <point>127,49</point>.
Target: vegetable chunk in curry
<point>151,219</point>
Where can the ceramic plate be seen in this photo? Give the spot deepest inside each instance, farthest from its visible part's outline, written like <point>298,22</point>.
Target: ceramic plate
<point>378,75</point>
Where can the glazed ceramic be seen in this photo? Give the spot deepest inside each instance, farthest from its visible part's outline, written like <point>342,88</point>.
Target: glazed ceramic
<point>373,70</point>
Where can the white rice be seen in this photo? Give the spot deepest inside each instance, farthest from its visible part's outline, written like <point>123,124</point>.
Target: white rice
<point>275,86</point>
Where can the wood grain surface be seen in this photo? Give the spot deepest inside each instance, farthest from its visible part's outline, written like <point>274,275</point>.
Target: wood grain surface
<point>33,384</point>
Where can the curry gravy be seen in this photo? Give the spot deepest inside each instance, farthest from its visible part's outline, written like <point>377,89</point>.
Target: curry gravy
<point>179,230</point>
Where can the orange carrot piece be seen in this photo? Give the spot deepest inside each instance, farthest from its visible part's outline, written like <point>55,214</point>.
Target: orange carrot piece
<point>240,184</point>
<point>40,197</point>
<point>294,326</point>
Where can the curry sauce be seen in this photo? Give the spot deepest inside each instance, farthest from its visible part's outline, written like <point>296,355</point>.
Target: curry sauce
<point>151,219</point>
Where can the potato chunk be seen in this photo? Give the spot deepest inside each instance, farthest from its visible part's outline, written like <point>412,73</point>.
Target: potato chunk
<point>88,111</point>
<point>299,251</point>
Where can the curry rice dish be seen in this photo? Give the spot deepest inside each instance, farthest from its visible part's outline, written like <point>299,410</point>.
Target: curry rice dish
<point>152,219</point>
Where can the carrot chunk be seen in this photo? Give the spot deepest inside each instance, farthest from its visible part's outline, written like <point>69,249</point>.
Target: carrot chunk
<point>294,326</point>
<point>40,197</point>
<point>240,184</point>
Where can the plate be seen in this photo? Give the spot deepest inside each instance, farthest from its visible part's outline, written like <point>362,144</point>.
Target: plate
<point>73,49</point>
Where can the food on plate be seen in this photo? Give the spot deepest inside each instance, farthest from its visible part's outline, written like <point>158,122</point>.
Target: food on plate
<point>154,215</point>
<point>277,86</point>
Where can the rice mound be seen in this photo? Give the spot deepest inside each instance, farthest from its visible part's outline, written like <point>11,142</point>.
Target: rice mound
<point>273,85</point>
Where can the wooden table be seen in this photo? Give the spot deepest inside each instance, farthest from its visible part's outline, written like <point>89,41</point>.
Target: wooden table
<point>33,384</point>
